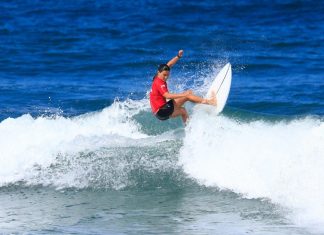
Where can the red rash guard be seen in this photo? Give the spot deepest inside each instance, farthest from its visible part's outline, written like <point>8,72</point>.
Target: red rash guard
<point>157,100</point>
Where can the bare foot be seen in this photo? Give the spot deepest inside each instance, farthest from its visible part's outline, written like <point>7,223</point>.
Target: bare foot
<point>212,100</point>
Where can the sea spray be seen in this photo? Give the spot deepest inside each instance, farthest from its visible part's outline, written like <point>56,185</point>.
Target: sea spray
<point>26,141</point>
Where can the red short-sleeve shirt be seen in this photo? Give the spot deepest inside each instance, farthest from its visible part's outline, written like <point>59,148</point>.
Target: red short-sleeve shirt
<point>157,100</point>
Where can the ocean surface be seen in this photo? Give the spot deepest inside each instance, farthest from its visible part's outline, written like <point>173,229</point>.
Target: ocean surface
<point>81,153</point>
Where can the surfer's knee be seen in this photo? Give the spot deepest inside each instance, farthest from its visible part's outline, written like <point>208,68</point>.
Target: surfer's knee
<point>190,97</point>
<point>185,99</point>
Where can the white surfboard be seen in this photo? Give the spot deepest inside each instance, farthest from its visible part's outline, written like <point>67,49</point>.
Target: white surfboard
<point>221,86</point>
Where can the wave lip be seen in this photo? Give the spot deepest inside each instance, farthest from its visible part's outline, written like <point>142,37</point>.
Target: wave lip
<point>281,161</point>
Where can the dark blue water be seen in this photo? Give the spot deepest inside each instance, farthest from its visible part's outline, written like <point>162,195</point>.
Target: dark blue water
<point>60,61</point>
<point>79,56</point>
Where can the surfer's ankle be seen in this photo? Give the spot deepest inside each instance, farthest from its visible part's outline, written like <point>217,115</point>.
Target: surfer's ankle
<point>212,101</point>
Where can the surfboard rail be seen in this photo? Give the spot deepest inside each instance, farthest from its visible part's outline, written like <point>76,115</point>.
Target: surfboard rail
<point>221,87</point>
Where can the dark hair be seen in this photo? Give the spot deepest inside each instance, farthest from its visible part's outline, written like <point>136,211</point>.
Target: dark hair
<point>161,68</point>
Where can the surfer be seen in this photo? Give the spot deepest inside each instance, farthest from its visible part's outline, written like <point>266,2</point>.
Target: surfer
<point>159,94</point>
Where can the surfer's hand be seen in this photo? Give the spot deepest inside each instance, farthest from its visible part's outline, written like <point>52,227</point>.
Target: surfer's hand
<point>180,53</point>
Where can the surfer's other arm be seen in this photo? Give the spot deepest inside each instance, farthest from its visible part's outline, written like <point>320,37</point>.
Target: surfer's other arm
<point>175,59</point>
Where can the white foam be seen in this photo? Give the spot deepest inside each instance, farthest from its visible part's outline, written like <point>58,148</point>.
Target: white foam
<point>281,161</point>
<point>28,141</point>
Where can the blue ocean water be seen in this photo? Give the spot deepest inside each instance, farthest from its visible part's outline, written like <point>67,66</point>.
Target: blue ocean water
<point>81,153</point>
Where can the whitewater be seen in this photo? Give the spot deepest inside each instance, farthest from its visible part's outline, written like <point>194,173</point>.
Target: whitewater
<point>279,161</point>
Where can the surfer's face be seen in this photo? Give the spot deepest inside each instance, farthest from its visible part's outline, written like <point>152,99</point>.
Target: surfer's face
<point>164,75</point>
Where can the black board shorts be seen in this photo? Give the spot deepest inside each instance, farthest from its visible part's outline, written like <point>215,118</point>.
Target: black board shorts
<point>165,111</point>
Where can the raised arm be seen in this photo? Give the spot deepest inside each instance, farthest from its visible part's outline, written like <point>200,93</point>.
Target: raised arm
<point>175,59</point>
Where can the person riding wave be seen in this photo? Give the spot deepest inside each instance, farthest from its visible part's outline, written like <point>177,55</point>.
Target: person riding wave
<point>159,94</point>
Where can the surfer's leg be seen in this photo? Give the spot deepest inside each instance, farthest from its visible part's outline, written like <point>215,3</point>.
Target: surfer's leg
<point>195,99</point>
<point>180,111</point>
<point>180,101</point>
